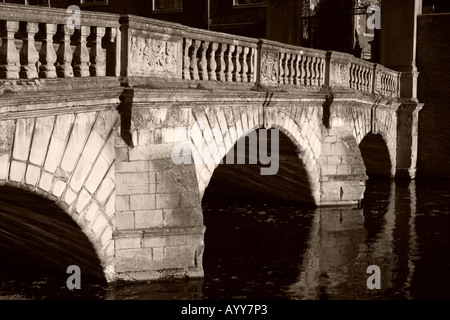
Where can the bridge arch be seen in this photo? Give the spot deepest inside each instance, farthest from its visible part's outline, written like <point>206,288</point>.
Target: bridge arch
<point>69,159</point>
<point>377,125</point>
<point>37,231</point>
<point>218,130</point>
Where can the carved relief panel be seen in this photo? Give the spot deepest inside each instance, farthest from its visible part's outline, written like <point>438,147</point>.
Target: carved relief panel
<point>269,67</point>
<point>154,57</point>
<point>341,74</point>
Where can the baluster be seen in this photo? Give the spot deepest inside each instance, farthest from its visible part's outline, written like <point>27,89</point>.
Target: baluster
<point>28,54</point>
<point>64,54</point>
<point>194,67</point>
<point>361,72</point>
<point>282,60</point>
<point>203,61</point>
<point>212,64</point>
<point>361,78</point>
<point>322,71</point>
<point>364,78</point>
<point>81,54</point>
<point>355,76</point>
<point>352,75</point>
<point>251,66</point>
<point>296,68</point>
<point>287,68</point>
<point>292,68</point>
<point>97,56</point>
<point>220,59</point>
<point>244,66</point>
<point>186,59</point>
<point>308,71</point>
<point>314,76</point>
<point>237,64</point>
<point>303,70</point>
<point>390,84</point>
<point>112,65</point>
<point>9,56</point>
<point>229,62</point>
<point>47,54</point>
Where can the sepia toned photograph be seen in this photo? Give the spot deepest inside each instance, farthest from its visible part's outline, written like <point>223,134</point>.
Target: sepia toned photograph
<point>224,150</point>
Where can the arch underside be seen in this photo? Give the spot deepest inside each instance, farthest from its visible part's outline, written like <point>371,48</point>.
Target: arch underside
<point>36,235</point>
<point>222,128</point>
<point>383,125</point>
<point>69,159</point>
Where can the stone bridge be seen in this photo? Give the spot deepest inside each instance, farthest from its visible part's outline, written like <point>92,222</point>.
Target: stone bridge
<point>90,117</point>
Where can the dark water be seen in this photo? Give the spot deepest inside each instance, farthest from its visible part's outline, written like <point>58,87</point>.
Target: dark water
<point>258,250</point>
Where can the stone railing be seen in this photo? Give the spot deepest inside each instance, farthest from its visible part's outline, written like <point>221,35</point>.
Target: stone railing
<point>168,50</point>
<point>36,43</point>
<point>348,72</point>
<point>284,64</point>
<point>387,82</point>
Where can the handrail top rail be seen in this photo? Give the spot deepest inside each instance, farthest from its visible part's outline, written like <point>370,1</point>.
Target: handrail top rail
<point>38,14</point>
<point>144,23</point>
<point>292,48</point>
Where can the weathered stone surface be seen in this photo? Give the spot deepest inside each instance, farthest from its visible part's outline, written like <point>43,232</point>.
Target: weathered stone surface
<point>22,138</point>
<point>66,143</point>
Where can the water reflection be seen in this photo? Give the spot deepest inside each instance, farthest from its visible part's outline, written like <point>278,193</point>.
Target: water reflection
<point>267,250</point>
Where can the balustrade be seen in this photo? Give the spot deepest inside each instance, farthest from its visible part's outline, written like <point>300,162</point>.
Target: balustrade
<point>50,48</point>
<point>36,42</point>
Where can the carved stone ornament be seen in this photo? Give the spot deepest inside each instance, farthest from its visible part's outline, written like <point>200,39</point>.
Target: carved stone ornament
<point>378,86</point>
<point>269,72</point>
<point>153,57</point>
<point>341,74</point>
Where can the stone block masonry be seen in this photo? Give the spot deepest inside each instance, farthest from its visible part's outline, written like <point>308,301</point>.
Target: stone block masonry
<point>61,135</point>
<point>68,158</point>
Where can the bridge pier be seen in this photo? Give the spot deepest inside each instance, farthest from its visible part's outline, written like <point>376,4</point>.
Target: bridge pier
<point>407,139</point>
<point>343,173</point>
<point>159,222</point>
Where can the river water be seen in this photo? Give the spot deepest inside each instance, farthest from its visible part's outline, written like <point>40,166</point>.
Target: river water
<point>279,250</point>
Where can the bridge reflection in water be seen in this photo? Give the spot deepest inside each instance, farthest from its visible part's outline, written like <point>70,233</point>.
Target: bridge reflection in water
<point>263,250</point>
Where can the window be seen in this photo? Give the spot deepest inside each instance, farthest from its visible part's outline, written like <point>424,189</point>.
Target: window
<point>93,2</point>
<point>167,5</point>
<point>248,2</point>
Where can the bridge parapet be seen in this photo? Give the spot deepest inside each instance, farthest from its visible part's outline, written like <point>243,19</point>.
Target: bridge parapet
<point>38,42</point>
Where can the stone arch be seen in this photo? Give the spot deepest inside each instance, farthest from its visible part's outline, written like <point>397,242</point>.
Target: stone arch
<point>376,155</point>
<point>381,122</point>
<point>68,158</point>
<point>218,129</point>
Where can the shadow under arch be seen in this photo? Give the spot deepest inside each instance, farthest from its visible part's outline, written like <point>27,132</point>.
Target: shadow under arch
<point>375,154</point>
<point>256,225</point>
<point>289,182</point>
<point>37,237</point>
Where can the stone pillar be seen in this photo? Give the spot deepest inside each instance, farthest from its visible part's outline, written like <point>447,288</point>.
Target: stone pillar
<point>159,223</point>
<point>398,52</point>
<point>284,21</point>
<point>407,138</point>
